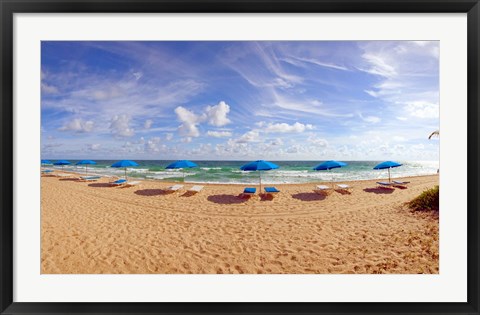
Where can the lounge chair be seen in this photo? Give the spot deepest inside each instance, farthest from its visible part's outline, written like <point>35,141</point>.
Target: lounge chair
<point>271,190</point>
<point>174,188</point>
<point>249,191</point>
<point>47,171</point>
<point>118,182</point>
<point>385,184</point>
<point>400,183</point>
<point>344,187</point>
<point>90,178</point>
<point>131,184</point>
<point>64,175</point>
<point>195,189</point>
<point>322,189</point>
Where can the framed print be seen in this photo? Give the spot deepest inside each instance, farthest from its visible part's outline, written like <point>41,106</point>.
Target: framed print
<point>239,157</point>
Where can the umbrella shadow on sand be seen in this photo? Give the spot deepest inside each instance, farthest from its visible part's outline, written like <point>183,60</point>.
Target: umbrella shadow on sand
<point>379,190</point>
<point>226,199</point>
<point>309,196</point>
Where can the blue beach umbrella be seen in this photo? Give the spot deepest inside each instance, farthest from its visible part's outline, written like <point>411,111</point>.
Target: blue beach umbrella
<point>124,164</point>
<point>328,165</point>
<point>46,162</point>
<point>259,165</point>
<point>183,164</point>
<point>388,165</point>
<point>62,163</point>
<point>86,163</point>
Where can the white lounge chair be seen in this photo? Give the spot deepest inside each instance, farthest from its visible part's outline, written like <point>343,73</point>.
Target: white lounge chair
<point>174,188</point>
<point>90,178</point>
<point>385,184</point>
<point>196,189</point>
<point>344,187</point>
<point>119,182</point>
<point>400,183</point>
<point>322,189</point>
<point>66,175</point>
<point>63,175</point>
<point>131,184</point>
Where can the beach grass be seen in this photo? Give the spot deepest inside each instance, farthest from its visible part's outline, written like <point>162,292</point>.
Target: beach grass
<point>427,200</point>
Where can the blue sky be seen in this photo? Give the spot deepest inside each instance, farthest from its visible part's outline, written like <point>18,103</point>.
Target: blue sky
<point>200,100</point>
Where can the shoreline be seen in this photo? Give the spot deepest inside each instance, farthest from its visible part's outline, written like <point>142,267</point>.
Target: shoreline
<point>134,178</point>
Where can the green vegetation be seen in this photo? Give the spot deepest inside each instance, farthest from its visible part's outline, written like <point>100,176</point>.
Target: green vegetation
<point>428,200</point>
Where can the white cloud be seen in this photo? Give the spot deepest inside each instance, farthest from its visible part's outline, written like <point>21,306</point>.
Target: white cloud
<point>219,134</point>
<point>284,127</point>
<point>318,142</point>
<point>217,115</point>
<point>370,119</point>
<point>152,145</point>
<point>148,124</point>
<point>422,109</point>
<point>379,65</point>
<point>293,149</point>
<point>187,140</point>
<point>315,62</point>
<point>49,89</point>
<point>275,142</point>
<point>78,125</point>
<point>137,75</point>
<point>214,115</point>
<point>94,147</point>
<point>250,136</point>
<point>169,136</point>
<point>107,93</point>
<point>189,121</point>
<point>120,126</point>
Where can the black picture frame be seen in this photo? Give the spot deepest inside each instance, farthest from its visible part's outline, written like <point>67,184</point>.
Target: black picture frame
<point>9,7</point>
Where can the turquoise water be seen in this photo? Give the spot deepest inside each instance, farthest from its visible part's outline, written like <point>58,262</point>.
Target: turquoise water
<point>229,171</point>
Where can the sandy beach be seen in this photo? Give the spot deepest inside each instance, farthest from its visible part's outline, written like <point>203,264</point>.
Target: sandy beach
<point>93,228</point>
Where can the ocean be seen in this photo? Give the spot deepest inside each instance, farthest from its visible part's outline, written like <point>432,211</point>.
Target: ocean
<point>229,171</point>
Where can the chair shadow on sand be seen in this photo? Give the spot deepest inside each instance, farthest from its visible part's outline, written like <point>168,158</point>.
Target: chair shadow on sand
<point>100,185</point>
<point>189,194</point>
<point>226,199</point>
<point>266,197</point>
<point>379,190</point>
<point>69,179</point>
<point>309,196</point>
<point>343,191</point>
<point>151,192</point>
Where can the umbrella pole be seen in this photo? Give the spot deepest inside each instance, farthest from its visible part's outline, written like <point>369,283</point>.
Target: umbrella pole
<point>183,171</point>
<point>125,173</point>
<point>260,172</point>
<point>389,175</point>
<point>331,176</point>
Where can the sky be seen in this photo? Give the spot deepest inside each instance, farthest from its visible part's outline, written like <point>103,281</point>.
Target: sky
<point>240,100</point>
